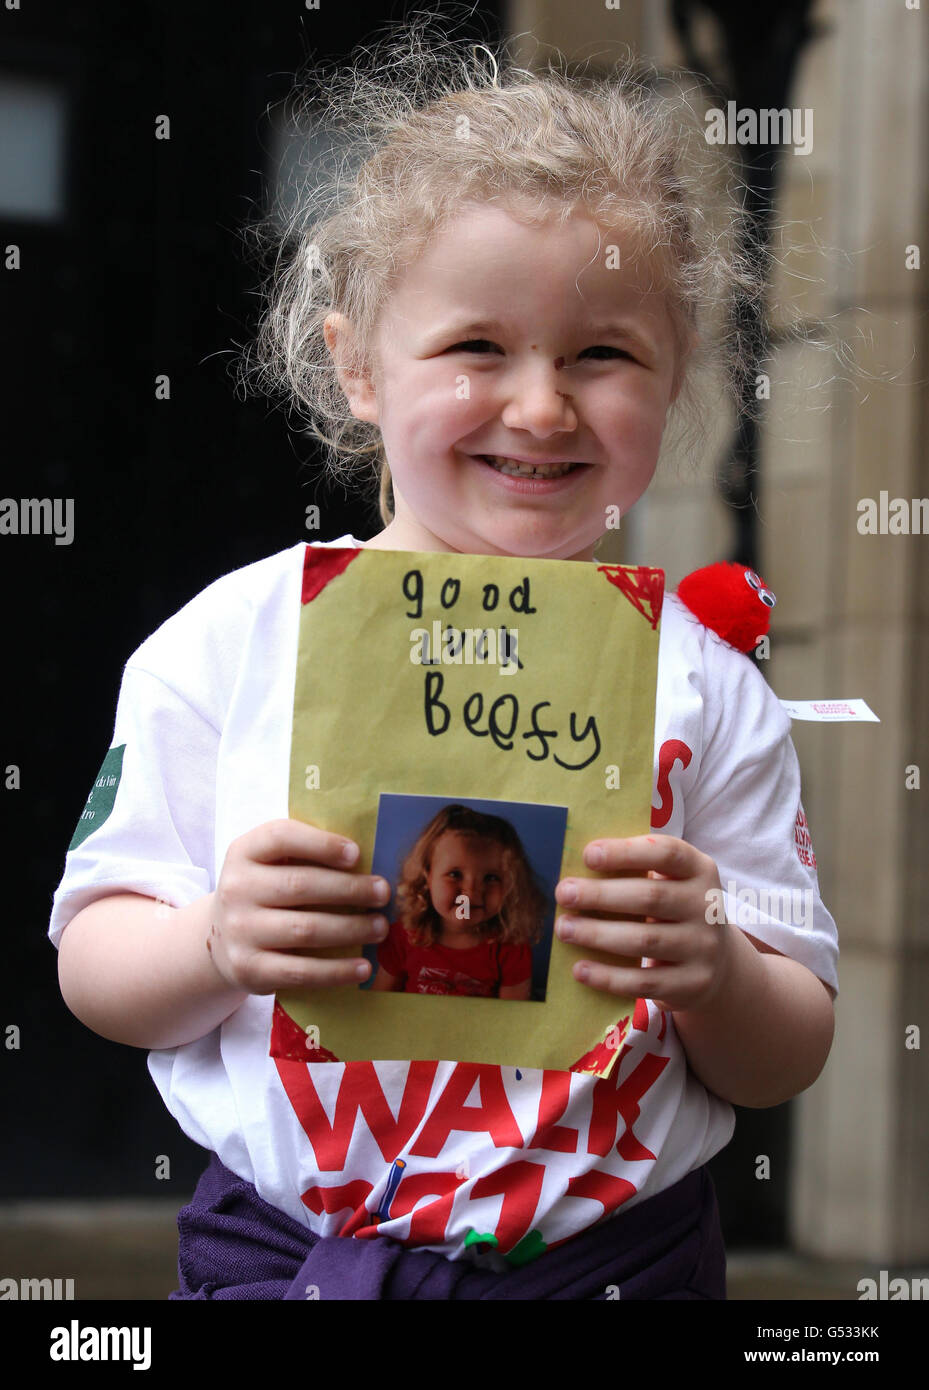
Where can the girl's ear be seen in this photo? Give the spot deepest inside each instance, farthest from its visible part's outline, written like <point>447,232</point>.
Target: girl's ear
<point>358,385</point>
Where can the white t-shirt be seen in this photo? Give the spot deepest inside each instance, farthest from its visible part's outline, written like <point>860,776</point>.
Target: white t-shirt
<point>511,1161</point>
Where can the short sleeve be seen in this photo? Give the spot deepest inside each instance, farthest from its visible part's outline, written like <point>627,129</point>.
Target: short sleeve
<point>515,964</point>
<point>392,952</point>
<point>147,825</point>
<point>745,811</point>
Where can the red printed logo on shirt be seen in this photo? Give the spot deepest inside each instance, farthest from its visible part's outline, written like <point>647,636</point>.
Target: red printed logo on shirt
<point>673,750</point>
<point>362,1142</point>
<point>803,840</point>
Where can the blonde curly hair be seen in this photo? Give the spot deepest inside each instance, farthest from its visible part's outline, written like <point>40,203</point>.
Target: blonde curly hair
<point>519,920</point>
<point>421,123</point>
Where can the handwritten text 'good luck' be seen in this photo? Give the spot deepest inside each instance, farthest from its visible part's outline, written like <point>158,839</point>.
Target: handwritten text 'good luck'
<point>503,721</point>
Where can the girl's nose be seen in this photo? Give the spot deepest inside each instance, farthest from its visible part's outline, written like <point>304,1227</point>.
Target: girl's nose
<point>472,892</point>
<point>538,403</point>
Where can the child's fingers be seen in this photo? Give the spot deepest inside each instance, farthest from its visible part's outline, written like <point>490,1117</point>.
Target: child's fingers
<point>665,853</point>
<point>665,899</point>
<point>627,981</point>
<point>670,986</point>
<point>278,841</point>
<point>270,971</point>
<point>305,885</point>
<point>313,930</point>
<point>633,939</point>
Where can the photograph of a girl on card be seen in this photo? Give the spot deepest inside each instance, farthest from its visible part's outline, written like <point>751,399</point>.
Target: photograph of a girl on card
<point>470,910</point>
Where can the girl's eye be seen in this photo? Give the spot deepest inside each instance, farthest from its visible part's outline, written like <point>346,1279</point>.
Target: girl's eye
<point>603,347</point>
<point>483,344</point>
<point>472,343</point>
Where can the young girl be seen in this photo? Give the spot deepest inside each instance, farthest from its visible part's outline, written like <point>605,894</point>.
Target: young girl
<point>470,910</point>
<point>513,294</point>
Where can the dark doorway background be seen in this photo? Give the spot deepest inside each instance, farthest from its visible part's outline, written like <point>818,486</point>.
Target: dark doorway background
<point>140,271</point>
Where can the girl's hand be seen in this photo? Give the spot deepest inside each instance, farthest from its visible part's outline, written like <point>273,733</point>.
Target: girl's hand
<point>686,956</point>
<point>283,890</point>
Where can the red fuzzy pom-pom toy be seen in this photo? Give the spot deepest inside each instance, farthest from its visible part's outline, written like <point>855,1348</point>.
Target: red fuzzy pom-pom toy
<point>730,599</point>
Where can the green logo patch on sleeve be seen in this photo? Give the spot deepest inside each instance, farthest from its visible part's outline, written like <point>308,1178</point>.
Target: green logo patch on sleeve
<point>99,803</point>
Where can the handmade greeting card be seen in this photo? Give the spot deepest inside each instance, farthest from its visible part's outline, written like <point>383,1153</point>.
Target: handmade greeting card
<point>472,722</point>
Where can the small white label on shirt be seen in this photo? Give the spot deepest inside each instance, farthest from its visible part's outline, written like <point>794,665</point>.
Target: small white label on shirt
<point>830,711</point>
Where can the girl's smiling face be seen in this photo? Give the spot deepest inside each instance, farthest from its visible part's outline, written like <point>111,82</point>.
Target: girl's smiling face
<point>525,343</point>
<point>468,866</point>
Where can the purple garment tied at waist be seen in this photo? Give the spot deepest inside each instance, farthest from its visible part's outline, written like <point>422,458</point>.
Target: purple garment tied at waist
<point>233,1244</point>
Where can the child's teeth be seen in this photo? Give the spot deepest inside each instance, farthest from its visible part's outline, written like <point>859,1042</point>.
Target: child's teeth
<point>524,470</point>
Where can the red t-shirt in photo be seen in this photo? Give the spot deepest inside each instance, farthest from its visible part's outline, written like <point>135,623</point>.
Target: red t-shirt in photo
<point>476,970</point>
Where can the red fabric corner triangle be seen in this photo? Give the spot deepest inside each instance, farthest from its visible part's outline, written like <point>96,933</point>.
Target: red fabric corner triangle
<point>321,564</point>
<point>290,1043</point>
<point>642,585</point>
